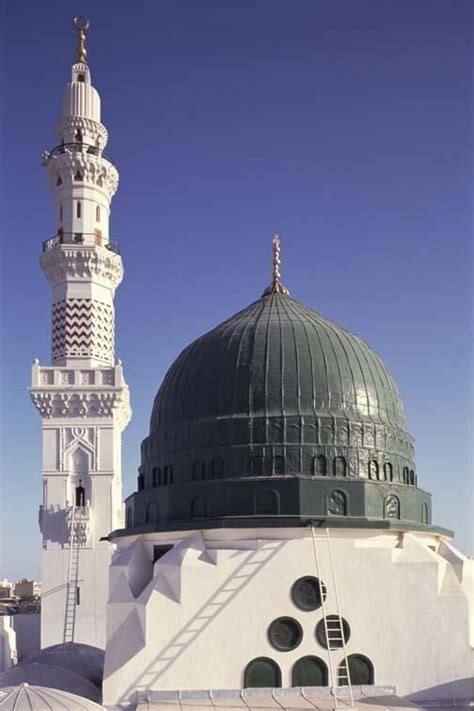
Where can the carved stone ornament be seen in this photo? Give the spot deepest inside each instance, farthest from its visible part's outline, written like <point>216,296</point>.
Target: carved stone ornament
<point>84,404</point>
<point>100,265</point>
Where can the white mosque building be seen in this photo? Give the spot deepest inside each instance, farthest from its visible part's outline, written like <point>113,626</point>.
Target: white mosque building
<point>279,551</point>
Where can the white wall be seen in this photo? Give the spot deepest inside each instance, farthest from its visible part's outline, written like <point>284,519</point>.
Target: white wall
<point>203,613</point>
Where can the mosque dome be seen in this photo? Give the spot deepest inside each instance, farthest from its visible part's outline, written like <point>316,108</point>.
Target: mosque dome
<point>82,659</point>
<point>49,676</point>
<point>278,416</point>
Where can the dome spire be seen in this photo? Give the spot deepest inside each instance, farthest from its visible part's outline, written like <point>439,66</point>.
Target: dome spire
<point>276,287</point>
<point>81,24</point>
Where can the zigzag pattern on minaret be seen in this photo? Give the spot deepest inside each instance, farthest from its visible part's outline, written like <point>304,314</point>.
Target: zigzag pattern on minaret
<point>83,328</point>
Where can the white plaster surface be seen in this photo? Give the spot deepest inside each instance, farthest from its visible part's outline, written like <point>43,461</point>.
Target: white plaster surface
<point>201,614</point>
<point>8,654</point>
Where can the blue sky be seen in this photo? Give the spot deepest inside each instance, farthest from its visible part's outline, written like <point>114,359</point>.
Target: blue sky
<point>345,126</point>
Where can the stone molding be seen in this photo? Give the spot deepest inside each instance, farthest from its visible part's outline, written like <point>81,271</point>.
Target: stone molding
<point>66,129</point>
<point>83,262</point>
<point>96,170</point>
<point>85,404</point>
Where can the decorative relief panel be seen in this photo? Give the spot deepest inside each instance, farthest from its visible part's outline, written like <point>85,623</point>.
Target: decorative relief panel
<point>84,405</point>
<point>47,377</point>
<point>84,328</point>
<point>95,263</point>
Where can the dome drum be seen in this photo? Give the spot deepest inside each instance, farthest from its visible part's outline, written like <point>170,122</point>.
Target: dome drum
<point>279,502</point>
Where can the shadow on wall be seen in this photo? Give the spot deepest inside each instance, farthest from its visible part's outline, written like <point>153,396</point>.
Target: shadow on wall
<point>459,692</point>
<point>207,613</point>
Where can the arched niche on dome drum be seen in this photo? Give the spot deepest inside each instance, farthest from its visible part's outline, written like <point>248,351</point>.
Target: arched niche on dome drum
<point>320,465</point>
<point>256,465</point>
<point>199,471</point>
<point>262,673</point>
<point>392,507</point>
<point>336,503</point>
<point>306,593</point>
<point>278,464</point>
<point>168,475</point>
<point>425,514</point>
<point>199,507</point>
<point>309,671</point>
<point>373,470</point>
<point>340,466</point>
<point>151,515</point>
<point>155,476</point>
<point>217,468</point>
<point>388,471</point>
<point>361,671</point>
<point>267,502</point>
<point>411,479</point>
<point>405,475</point>
<point>129,518</point>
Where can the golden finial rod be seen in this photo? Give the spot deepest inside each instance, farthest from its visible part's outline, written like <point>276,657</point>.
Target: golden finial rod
<point>81,24</point>
<point>276,286</point>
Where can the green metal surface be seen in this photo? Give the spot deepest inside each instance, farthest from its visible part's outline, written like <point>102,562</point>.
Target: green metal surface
<point>277,415</point>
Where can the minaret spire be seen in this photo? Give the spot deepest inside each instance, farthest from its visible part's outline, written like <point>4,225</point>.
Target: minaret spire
<point>276,287</point>
<point>81,24</point>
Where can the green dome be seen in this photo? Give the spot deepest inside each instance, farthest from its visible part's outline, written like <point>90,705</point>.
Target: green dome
<point>277,416</point>
<point>277,358</point>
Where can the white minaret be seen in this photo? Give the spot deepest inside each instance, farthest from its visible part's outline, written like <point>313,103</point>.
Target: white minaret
<point>82,397</point>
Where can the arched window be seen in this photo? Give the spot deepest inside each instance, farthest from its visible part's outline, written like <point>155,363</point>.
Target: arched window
<point>59,181</point>
<point>405,475</point>
<point>266,502</point>
<point>361,670</point>
<point>340,466</point>
<point>262,673</point>
<point>373,469</point>
<point>155,476</point>
<point>388,471</point>
<point>217,468</point>
<point>78,136</point>
<point>309,671</point>
<point>78,209</point>
<point>320,465</point>
<point>80,77</point>
<point>97,213</point>
<point>392,506</point>
<point>168,475</point>
<point>129,518</point>
<point>78,175</point>
<point>412,477</point>
<point>199,507</point>
<point>151,515</point>
<point>61,212</point>
<point>80,494</point>
<point>198,470</point>
<point>141,482</point>
<point>100,181</point>
<point>278,464</point>
<point>425,514</point>
<point>336,504</point>
<point>256,465</point>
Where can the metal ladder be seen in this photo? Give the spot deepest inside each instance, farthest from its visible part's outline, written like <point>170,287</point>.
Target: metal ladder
<point>73,573</point>
<point>340,679</point>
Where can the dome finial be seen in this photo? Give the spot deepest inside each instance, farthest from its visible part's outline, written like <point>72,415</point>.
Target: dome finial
<point>81,24</point>
<point>276,286</point>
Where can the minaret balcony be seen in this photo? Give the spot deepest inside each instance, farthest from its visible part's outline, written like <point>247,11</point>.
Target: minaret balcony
<point>77,147</point>
<point>90,239</point>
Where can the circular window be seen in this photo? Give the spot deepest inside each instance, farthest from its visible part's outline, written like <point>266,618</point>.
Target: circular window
<point>337,628</point>
<point>285,634</point>
<point>306,593</point>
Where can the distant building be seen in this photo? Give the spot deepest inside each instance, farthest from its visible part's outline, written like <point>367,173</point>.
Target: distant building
<point>25,588</point>
<point>6,589</point>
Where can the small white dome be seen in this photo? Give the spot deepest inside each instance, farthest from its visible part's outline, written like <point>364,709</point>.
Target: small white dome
<point>48,676</point>
<point>38,698</point>
<point>82,659</point>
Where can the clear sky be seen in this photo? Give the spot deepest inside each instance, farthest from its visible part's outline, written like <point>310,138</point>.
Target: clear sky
<point>345,126</point>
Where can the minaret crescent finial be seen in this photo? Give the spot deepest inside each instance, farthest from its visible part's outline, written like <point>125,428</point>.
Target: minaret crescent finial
<point>81,24</point>
<point>276,286</point>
